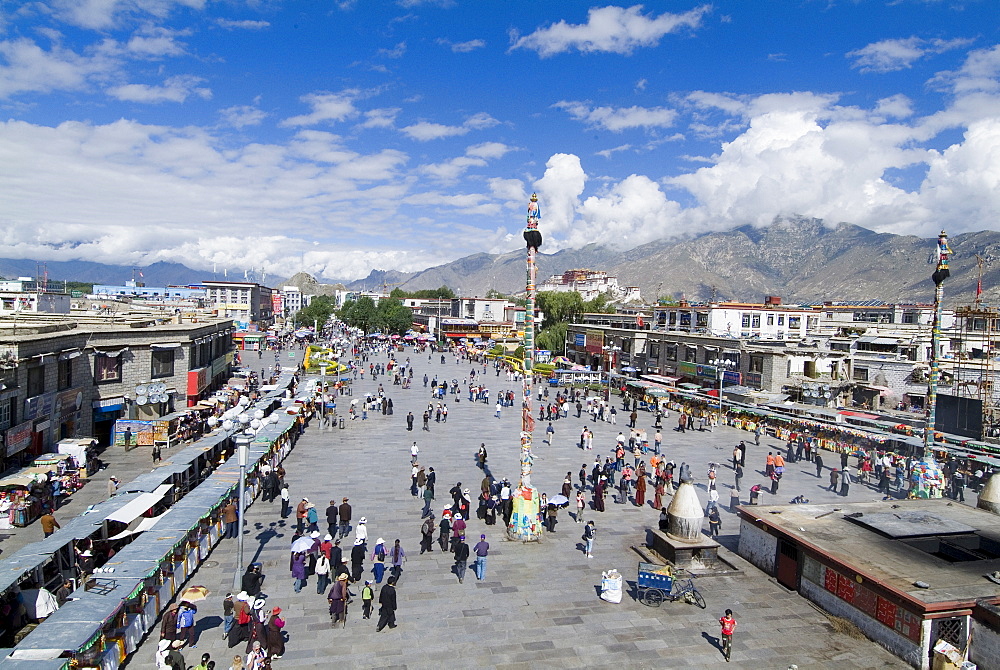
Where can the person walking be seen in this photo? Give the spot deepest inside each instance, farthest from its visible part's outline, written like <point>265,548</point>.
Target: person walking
<point>589,532</point>
<point>714,522</point>
<point>322,571</point>
<point>300,515</point>
<point>819,465</point>
<point>367,596</point>
<point>332,515</point>
<point>444,528</point>
<point>482,550</point>
<point>739,476</point>
<point>299,570</point>
<point>378,560</point>
<point>344,512</point>
<point>387,606</point>
<point>581,503</point>
<point>48,522</point>
<point>409,421</point>
<point>228,614</point>
<point>286,502</point>
<point>461,558</point>
<point>728,624</point>
<point>357,559</point>
<point>427,534</point>
<point>398,558</point>
<point>338,600</point>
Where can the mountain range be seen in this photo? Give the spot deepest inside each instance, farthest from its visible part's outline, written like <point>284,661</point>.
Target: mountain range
<point>797,258</point>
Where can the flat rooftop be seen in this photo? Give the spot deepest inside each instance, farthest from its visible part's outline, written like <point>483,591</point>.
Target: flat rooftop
<point>949,546</point>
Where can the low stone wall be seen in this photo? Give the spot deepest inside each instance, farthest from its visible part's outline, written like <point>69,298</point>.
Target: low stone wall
<point>758,547</point>
<point>875,630</point>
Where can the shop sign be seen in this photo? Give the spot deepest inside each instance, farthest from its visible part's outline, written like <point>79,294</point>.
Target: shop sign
<point>686,368</point>
<point>68,402</point>
<point>141,433</point>
<point>579,339</point>
<point>18,438</point>
<point>40,405</point>
<point>198,380</point>
<point>595,341</point>
<point>754,379</point>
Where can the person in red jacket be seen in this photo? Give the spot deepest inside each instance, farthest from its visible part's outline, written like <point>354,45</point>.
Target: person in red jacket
<point>728,624</point>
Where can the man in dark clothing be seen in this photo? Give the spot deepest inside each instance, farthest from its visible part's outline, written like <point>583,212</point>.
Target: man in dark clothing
<point>332,514</point>
<point>336,555</point>
<point>409,421</point>
<point>427,534</point>
<point>358,559</point>
<point>230,516</point>
<point>431,479</point>
<point>957,485</point>
<point>387,605</point>
<point>445,531</point>
<point>819,465</point>
<point>345,518</point>
<point>461,558</point>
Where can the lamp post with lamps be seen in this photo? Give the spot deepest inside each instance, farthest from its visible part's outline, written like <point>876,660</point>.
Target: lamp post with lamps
<point>722,365</point>
<point>610,352</point>
<point>243,439</point>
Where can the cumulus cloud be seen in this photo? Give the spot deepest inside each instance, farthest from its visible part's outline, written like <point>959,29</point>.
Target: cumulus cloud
<point>979,73</point>
<point>229,24</point>
<point>155,42</point>
<point>900,54</point>
<point>381,118</point>
<point>617,119</point>
<point>174,89</point>
<point>424,131</point>
<point>477,155</point>
<point>27,67</point>
<point>609,29</point>
<point>560,189</point>
<point>462,47</point>
<point>104,14</point>
<point>326,107</point>
<point>242,116</point>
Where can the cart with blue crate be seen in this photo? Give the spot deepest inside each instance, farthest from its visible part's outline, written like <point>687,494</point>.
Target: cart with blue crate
<point>657,583</point>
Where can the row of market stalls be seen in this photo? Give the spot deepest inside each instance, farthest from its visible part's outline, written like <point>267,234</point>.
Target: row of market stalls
<point>111,611</point>
<point>50,477</point>
<point>832,430</point>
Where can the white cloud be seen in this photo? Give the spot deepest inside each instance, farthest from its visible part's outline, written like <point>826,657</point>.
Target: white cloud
<point>899,54</point>
<point>242,25</point>
<point>397,51</point>
<point>103,14</point>
<point>609,29</point>
<point>29,68</point>
<point>381,118</point>
<point>174,89</point>
<point>979,73</point>
<point>424,131</point>
<point>477,155</point>
<point>156,42</point>
<point>620,118</point>
<point>242,116</point>
<point>462,47</point>
<point>607,153</point>
<point>489,150</point>
<point>895,106</point>
<point>560,189</point>
<point>326,107</point>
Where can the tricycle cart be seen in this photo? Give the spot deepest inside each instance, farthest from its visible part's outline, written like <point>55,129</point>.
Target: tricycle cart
<point>657,583</point>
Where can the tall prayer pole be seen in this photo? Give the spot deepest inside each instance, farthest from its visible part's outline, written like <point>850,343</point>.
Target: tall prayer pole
<point>525,522</point>
<point>940,274</point>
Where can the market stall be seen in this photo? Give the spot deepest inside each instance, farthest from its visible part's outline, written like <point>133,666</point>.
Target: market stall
<point>21,500</point>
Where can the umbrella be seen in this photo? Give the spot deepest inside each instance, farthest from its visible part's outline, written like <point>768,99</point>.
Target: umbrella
<point>559,500</point>
<point>302,544</point>
<point>194,594</point>
<point>355,401</point>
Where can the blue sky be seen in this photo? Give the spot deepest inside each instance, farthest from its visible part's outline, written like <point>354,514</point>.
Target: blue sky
<point>338,137</point>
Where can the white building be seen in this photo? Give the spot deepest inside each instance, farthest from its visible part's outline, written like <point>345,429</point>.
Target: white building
<point>292,300</point>
<point>590,284</point>
<point>245,303</point>
<point>769,321</point>
<point>25,295</point>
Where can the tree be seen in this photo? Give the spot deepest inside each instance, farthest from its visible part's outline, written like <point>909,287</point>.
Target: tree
<point>391,316</point>
<point>319,310</point>
<point>553,338</point>
<point>359,313</point>
<point>559,307</point>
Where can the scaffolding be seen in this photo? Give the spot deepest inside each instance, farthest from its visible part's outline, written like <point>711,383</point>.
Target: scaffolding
<point>975,368</point>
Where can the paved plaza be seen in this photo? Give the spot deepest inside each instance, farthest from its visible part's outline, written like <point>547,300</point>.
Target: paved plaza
<point>539,604</point>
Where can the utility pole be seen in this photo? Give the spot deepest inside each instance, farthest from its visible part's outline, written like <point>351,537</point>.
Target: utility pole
<point>940,274</point>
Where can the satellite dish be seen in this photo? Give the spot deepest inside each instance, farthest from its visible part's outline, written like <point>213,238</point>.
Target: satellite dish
<point>161,387</point>
<point>141,389</point>
<point>141,400</point>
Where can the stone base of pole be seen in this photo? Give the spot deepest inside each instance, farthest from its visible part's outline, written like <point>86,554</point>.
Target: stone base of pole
<point>525,522</point>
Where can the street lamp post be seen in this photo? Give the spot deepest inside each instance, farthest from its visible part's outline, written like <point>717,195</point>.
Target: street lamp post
<point>721,366</point>
<point>610,353</point>
<point>243,454</point>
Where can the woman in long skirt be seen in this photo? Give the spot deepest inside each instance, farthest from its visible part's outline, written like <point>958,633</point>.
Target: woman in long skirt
<point>640,491</point>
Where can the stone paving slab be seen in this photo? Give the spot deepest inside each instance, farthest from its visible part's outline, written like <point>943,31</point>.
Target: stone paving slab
<point>539,605</point>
